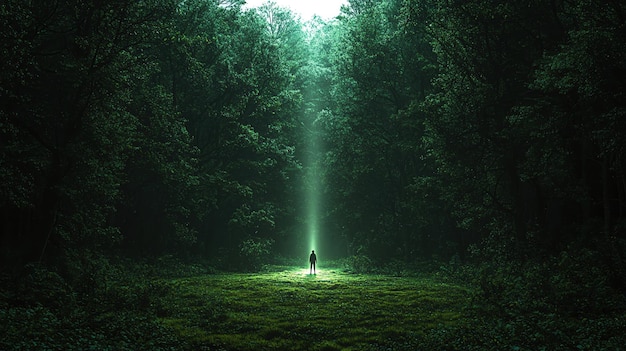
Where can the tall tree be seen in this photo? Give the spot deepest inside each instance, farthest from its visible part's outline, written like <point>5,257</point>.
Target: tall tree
<point>375,131</point>
<point>580,114</point>
<point>83,110</point>
<point>486,53</point>
<point>234,79</point>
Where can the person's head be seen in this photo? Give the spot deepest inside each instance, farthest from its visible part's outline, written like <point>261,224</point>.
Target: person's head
<point>312,251</point>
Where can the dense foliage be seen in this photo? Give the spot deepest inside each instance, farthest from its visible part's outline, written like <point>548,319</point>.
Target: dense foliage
<point>459,131</point>
<point>152,127</point>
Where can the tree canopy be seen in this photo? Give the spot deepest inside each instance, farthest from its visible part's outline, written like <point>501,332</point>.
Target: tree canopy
<point>185,127</point>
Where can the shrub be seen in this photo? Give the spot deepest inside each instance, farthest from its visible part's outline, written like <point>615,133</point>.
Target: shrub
<point>254,253</point>
<point>39,286</point>
<point>359,264</point>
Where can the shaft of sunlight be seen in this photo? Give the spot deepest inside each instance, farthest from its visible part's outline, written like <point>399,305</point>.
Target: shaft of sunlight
<point>312,196</point>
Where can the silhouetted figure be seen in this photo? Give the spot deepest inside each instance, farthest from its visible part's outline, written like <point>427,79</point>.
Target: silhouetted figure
<point>312,259</point>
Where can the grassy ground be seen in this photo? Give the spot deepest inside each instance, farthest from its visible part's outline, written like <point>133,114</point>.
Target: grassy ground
<point>169,307</point>
<point>289,309</point>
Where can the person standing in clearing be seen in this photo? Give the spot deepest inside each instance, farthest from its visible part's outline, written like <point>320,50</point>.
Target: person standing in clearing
<point>312,260</point>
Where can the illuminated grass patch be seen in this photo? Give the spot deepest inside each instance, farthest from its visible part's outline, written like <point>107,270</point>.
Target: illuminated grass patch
<point>291,310</point>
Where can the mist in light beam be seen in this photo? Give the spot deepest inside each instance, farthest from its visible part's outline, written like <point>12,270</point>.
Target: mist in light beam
<point>313,190</point>
<point>313,182</point>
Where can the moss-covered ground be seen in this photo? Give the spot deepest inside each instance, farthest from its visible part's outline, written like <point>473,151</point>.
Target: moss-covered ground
<point>170,307</point>
<point>290,309</point>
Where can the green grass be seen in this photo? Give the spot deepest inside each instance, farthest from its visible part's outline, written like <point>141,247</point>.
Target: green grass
<point>292,310</point>
<point>288,309</point>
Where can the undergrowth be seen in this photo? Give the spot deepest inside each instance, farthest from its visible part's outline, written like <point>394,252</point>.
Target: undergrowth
<point>39,310</point>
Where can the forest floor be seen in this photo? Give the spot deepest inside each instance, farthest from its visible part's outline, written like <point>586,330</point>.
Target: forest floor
<point>290,309</point>
<point>286,308</point>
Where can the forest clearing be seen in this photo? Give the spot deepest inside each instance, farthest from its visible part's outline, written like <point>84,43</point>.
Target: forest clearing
<point>286,308</point>
<point>294,310</point>
<point>165,165</point>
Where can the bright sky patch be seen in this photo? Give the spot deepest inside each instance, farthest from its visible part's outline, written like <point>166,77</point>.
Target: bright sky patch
<point>327,9</point>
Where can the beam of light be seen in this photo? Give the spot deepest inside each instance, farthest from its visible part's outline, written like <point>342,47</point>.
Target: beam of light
<point>312,152</point>
<point>312,191</point>
<point>313,199</point>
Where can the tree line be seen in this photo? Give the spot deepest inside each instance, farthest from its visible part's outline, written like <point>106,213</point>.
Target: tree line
<point>478,124</point>
<point>166,126</point>
<point>146,127</point>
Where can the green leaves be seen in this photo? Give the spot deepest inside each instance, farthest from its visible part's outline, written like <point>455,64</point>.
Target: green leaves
<point>373,127</point>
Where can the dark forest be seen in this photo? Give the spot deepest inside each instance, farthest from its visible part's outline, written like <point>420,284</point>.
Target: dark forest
<point>458,166</point>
